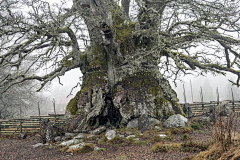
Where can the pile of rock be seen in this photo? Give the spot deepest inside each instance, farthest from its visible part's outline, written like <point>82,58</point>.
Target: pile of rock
<point>75,141</point>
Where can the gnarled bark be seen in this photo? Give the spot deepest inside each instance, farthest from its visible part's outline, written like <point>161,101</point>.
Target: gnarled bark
<point>119,82</point>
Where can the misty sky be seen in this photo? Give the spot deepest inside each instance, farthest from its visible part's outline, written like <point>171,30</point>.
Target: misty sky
<point>209,84</point>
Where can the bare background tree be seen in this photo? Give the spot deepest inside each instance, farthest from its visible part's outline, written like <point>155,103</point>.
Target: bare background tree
<point>119,51</point>
<point>18,101</point>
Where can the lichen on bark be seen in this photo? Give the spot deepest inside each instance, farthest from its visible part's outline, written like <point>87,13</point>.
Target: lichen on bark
<point>119,84</point>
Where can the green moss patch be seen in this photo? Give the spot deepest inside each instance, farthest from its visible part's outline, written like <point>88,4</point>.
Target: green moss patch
<point>72,105</point>
<point>123,30</point>
<point>98,59</point>
<point>93,79</point>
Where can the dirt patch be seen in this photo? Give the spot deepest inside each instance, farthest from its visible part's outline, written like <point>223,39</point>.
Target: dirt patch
<point>12,148</point>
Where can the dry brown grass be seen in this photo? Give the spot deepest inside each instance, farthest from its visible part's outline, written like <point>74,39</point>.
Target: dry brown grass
<point>226,144</point>
<point>160,147</point>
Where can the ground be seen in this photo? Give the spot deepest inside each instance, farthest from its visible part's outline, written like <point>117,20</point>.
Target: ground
<point>12,148</point>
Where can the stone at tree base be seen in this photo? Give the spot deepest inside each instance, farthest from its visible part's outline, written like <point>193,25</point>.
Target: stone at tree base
<point>38,145</point>
<point>136,139</point>
<point>131,136</point>
<point>143,123</point>
<point>99,130</point>
<point>176,120</point>
<point>162,135</point>
<point>133,123</point>
<point>80,136</point>
<point>128,132</point>
<point>68,143</point>
<point>157,128</point>
<point>222,109</point>
<point>22,135</point>
<point>154,121</point>
<point>64,138</point>
<point>69,135</point>
<point>57,139</point>
<point>187,110</point>
<point>91,136</point>
<point>96,148</point>
<point>49,131</point>
<point>110,134</point>
<point>204,120</point>
<point>121,136</point>
<point>76,146</point>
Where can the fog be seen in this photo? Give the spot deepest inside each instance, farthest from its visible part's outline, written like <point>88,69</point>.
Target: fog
<point>60,93</point>
<point>209,83</point>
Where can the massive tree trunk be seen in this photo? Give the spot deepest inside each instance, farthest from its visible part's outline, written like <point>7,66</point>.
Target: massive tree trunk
<point>121,81</point>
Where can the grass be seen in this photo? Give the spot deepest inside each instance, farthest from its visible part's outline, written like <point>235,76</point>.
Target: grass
<point>115,140</point>
<point>139,142</point>
<point>185,137</point>
<point>160,147</point>
<point>123,157</point>
<point>226,140</point>
<point>85,149</point>
<point>181,130</point>
<point>196,126</point>
<point>129,141</point>
<point>191,146</point>
<point>102,140</point>
<point>64,149</point>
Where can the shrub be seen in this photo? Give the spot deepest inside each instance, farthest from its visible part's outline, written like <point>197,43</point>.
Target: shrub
<point>224,131</point>
<point>185,137</point>
<point>194,146</point>
<point>196,126</point>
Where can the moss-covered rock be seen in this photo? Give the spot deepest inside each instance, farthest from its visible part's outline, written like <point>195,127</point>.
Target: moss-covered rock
<point>72,105</point>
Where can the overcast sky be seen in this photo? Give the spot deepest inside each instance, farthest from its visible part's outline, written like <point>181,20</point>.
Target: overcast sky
<point>71,78</point>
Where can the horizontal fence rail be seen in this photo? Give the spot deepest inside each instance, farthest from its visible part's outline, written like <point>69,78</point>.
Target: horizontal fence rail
<point>30,125</point>
<point>199,108</point>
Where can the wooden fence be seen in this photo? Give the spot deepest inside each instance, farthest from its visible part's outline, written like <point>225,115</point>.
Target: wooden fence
<point>30,125</point>
<point>199,108</point>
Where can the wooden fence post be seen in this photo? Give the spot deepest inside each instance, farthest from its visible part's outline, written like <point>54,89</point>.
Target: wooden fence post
<point>39,117</point>
<point>54,109</point>
<point>233,101</point>
<point>201,96</point>
<point>217,96</point>
<point>184,94</point>
<point>191,90</point>
<point>21,126</point>
<point>20,112</point>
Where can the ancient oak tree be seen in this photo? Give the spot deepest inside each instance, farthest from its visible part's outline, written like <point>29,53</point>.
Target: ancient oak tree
<point>127,51</point>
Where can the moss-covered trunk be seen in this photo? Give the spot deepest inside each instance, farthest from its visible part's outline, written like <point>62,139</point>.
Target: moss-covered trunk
<point>131,88</point>
<point>120,81</point>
